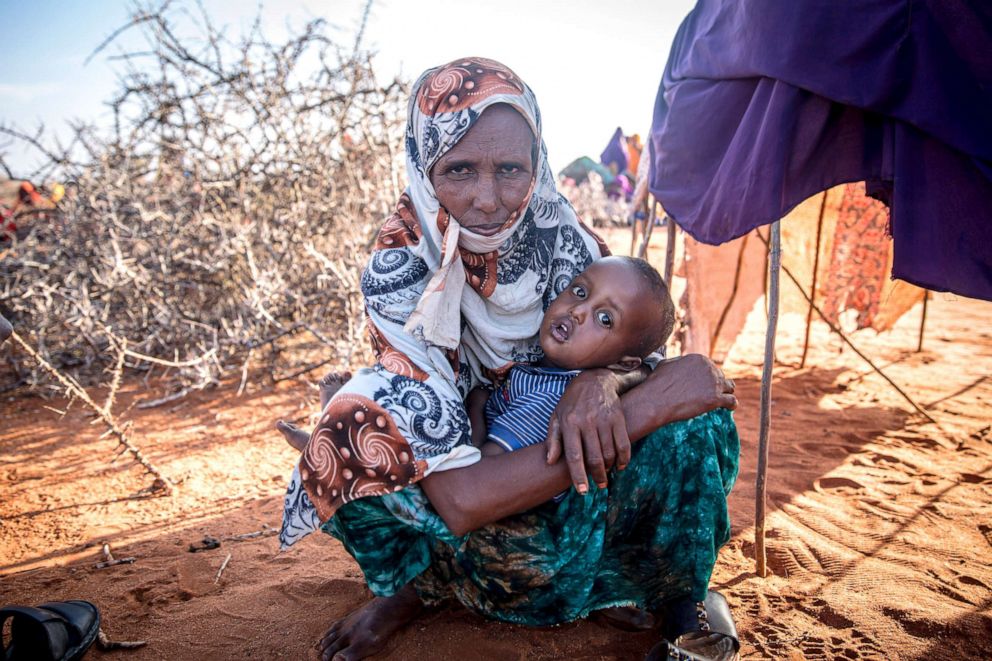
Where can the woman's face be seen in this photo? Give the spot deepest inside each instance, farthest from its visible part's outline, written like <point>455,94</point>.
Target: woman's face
<point>486,176</point>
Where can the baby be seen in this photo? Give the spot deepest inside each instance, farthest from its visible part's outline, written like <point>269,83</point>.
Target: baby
<point>613,315</point>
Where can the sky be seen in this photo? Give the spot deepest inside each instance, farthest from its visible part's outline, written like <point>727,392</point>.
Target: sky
<point>594,65</point>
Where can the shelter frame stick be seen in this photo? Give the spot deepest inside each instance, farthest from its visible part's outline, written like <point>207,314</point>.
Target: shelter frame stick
<point>816,267</point>
<point>764,421</point>
<point>670,251</point>
<point>923,320</point>
<point>643,250</point>
<point>919,409</point>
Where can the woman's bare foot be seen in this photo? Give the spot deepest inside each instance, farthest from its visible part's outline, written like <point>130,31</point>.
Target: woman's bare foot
<point>330,384</point>
<point>366,631</point>
<point>294,435</point>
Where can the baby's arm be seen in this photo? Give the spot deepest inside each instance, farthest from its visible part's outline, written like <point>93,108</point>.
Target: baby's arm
<point>475,403</point>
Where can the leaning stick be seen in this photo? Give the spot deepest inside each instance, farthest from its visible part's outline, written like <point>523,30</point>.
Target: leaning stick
<point>812,289</point>
<point>646,238</point>
<point>766,393</point>
<point>923,320</point>
<point>161,482</point>
<point>919,409</point>
<point>670,251</point>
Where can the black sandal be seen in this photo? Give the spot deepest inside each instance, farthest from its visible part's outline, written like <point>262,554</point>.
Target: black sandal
<point>699,631</point>
<point>56,631</point>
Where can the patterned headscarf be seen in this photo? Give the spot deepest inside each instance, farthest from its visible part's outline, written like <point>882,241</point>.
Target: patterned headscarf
<point>511,276</point>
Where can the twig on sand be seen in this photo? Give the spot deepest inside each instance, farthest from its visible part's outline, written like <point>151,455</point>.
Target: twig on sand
<point>105,644</point>
<point>264,532</point>
<point>117,561</point>
<point>223,566</point>
<point>72,386</point>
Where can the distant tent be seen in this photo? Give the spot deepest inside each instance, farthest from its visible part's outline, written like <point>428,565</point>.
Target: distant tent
<point>579,169</point>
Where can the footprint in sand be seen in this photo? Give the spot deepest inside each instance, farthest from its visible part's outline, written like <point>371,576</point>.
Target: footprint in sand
<point>837,485</point>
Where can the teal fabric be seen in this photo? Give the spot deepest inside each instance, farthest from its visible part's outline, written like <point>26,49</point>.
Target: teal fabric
<point>650,536</point>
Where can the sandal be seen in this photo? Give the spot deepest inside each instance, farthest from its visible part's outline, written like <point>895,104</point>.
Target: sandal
<point>56,631</point>
<point>700,631</point>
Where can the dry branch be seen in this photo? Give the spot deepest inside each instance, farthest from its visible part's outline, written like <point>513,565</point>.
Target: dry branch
<point>113,426</point>
<point>192,227</point>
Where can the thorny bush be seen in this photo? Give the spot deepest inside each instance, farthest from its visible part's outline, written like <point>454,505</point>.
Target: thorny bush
<point>230,207</point>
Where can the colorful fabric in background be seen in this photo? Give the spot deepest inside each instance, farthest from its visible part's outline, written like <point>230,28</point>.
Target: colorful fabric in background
<point>859,264</point>
<point>723,283</point>
<point>614,156</point>
<point>750,120</point>
<point>396,422</point>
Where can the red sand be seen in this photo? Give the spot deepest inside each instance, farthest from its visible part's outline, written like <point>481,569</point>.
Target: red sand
<point>880,524</point>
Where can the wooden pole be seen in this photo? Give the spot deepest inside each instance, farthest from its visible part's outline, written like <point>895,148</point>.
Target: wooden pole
<point>643,250</point>
<point>816,267</point>
<point>764,421</point>
<point>923,320</point>
<point>670,251</point>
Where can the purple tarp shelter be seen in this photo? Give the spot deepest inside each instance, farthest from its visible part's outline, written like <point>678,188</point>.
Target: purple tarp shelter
<point>765,103</point>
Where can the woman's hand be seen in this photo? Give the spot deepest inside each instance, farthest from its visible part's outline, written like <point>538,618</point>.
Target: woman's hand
<point>592,425</point>
<point>589,425</point>
<point>677,389</point>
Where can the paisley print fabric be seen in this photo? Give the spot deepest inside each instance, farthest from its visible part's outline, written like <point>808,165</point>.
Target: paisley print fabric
<point>503,285</point>
<point>651,535</point>
<point>859,263</point>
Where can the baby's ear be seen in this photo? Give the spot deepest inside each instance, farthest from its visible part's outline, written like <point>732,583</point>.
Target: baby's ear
<point>626,364</point>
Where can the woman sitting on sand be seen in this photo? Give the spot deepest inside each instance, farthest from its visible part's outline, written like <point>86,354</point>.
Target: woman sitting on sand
<point>479,246</point>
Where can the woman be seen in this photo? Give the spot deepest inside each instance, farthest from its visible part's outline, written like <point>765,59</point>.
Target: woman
<point>480,244</point>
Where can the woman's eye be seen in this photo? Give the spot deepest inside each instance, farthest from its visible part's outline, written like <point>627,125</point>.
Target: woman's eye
<point>578,291</point>
<point>510,169</point>
<point>605,319</point>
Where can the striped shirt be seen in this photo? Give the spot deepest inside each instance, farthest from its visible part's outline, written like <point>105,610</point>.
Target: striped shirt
<point>518,412</point>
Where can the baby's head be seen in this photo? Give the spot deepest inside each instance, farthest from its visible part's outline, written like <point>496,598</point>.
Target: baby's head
<point>613,314</point>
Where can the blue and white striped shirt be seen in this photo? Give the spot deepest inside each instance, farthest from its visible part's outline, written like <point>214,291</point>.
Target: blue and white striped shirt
<point>518,412</point>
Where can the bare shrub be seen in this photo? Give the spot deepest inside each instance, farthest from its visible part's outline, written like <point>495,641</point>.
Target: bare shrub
<point>592,204</point>
<point>230,207</point>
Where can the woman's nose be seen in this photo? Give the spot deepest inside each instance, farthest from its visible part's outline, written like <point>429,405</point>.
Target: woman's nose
<point>486,198</point>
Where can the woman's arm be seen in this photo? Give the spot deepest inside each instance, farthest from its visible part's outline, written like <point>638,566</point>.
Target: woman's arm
<point>498,486</point>
<point>494,487</point>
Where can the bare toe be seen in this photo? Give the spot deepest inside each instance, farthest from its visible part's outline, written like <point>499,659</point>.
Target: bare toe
<point>367,631</point>
<point>295,436</point>
<point>330,385</point>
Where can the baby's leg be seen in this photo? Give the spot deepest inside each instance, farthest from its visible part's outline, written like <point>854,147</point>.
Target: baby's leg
<point>294,435</point>
<point>328,387</point>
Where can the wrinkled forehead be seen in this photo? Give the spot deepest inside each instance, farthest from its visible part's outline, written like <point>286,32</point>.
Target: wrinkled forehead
<point>448,100</point>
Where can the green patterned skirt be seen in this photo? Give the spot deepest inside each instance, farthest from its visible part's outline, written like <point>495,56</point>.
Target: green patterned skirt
<point>650,536</point>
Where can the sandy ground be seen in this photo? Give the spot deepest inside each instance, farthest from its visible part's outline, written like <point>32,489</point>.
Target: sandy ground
<point>879,523</point>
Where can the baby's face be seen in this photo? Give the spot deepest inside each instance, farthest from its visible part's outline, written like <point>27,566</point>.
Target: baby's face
<point>596,320</point>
